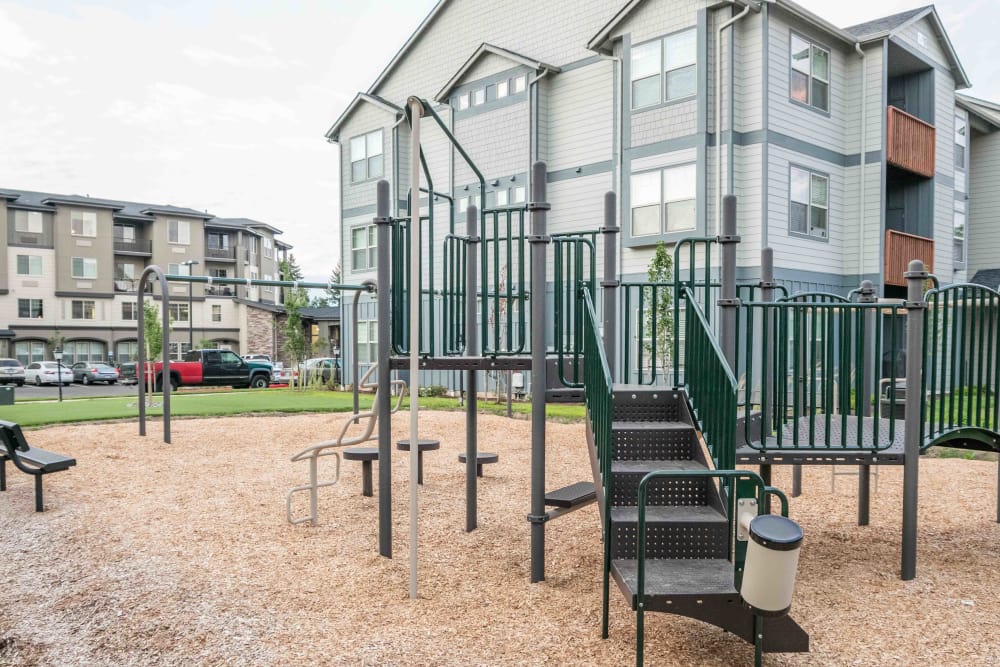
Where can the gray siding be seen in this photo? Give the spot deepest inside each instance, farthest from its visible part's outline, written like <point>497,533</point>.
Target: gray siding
<point>578,117</point>
<point>984,203</point>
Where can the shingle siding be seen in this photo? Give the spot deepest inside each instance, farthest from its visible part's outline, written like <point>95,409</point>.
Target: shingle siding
<point>578,117</point>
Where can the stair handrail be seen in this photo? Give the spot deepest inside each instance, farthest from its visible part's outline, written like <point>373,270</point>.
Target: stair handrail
<point>575,271</point>
<point>712,391</point>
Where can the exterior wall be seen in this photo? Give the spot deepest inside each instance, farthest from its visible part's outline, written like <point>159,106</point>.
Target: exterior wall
<point>4,263</point>
<point>578,118</point>
<point>983,238</point>
<point>98,248</point>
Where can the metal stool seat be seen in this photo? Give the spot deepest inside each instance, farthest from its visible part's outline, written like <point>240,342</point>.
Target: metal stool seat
<point>422,446</point>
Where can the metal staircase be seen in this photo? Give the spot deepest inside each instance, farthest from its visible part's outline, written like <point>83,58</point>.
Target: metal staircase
<point>691,567</point>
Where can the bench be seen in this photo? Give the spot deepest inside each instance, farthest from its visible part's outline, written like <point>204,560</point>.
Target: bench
<point>565,500</point>
<point>366,455</point>
<point>27,459</point>
<point>422,446</point>
<point>482,458</point>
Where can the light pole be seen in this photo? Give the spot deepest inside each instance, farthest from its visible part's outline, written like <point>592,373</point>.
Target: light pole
<point>58,356</point>
<point>189,264</point>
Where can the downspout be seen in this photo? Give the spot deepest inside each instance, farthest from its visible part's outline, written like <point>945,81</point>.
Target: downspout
<point>531,161</point>
<point>864,146</point>
<point>619,153</point>
<point>718,110</point>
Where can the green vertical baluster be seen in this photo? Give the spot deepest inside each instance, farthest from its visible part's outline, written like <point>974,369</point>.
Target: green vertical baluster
<point>892,346</point>
<point>796,375</point>
<point>829,377</point>
<point>955,362</point>
<point>959,321</point>
<point>934,303</point>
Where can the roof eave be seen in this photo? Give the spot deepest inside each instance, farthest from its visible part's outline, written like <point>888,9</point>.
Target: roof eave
<point>958,71</point>
<point>806,15</point>
<point>539,66</point>
<point>333,134</point>
<point>78,202</point>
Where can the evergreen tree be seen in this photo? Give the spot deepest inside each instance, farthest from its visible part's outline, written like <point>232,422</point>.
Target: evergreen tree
<point>295,340</point>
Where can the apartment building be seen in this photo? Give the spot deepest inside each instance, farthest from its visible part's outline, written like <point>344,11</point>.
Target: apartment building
<point>70,268</point>
<point>849,148</point>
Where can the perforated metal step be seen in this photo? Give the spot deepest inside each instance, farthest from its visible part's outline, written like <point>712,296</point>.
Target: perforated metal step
<point>675,577</point>
<point>652,441</point>
<point>644,403</point>
<point>626,475</point>
<point>671,532</point>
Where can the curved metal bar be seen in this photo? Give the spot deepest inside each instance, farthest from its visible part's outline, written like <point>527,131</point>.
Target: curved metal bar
<point>154,270</point>
<point>819,297</point>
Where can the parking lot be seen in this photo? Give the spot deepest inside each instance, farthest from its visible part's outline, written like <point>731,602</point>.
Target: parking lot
<point>74,390</point>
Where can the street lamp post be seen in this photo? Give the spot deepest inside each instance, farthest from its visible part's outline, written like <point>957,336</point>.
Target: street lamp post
<point>189,263</point>
<point>58,355</point>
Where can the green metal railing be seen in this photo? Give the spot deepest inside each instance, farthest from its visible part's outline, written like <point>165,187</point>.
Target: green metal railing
<point>574,272</point>
<point>746,484</point>
<point>961,368</point>
<point>453,293</point>
<point>503,283</point>
<point>815,390</point>
<point>693,277</point>
<point>401,240</point>
<point>712,390</point>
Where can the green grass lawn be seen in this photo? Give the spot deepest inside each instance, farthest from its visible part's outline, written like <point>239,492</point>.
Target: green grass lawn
<point>221,404</point>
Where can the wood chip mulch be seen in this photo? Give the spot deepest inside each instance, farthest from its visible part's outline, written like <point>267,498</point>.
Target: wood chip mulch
<point>180,554</point>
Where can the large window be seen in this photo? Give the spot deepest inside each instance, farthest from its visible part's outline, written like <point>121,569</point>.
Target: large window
<point>665,70</point>
<point>663,201</point>
<point>179,269</point>
<point>126,350</point>
<point>29,308</point>
<point>961,142</point>
<point>83,309</point>
<point>29,351</point>
<point>363,248</point>
<point>216,313</point>
<point>130,311</point>
<point>83,350</point>
<point>83,223</point>
<point>268,247</point>
<point>84,267</point>
<point>366,156</point>
<point>29,222</point>
<point>368,342</point>
<point>178,350</point>
<point>29,265</point>
<point>179,231</point>
<point>809,202</point>
<point>810,75</point>
<point>125,233</point>
<point>179,312</point>
<point>218,241</point>
<point>124,271</point>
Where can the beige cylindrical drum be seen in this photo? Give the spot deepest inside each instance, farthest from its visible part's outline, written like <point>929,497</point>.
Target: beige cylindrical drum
<point>771,564</point>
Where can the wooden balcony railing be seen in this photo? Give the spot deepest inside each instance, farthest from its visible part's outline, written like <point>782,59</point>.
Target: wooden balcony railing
<point>910,143</point>
<point>900,248</point>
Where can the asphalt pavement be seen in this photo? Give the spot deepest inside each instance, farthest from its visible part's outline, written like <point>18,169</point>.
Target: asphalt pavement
<point>74,390</point>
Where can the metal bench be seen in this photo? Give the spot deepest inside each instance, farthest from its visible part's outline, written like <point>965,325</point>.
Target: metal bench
<point>569,498</point>
<point>27,459</point>
<point>482,458</point>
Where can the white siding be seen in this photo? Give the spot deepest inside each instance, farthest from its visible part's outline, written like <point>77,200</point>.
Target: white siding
<point>579,117</point>
<point>497,141</point>
<point>932,48</point>
<point>984,204</point>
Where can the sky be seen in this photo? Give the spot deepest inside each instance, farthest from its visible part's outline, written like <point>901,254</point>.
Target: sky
<point>223,105</point>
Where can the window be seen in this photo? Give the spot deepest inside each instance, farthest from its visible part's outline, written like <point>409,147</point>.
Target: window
<point>216,313</point>
<point>178,350</point>
<point>810,77</point>
<point>363,248</point>
<point>479,97</point>
<point>124,271</point>
<point>518,195</point>
<point>368,342</point>
<point>465,202</point>
<point>960,141</point>
<point>503,89</point>
<point>519,83</point>
<point>366,156</point>
<point>179,231</point>
<point>665,70</point>
<point>124,233</point>
<point>29,351</point>
<point>463,101</point>
<point>83,310</point>
<point>663,201</point>
<point>83,223</point>
<point>809,202</point>
<point>29,308</point>
<point>502,198</point>
<point>29,265</point>
<point>179,269</point>
<point>217,241</point>
<point>127,350</point>
<point>130,310</point>
<point>252,245</point>
<point>91,351</point>
<point>29,222</point>
<point>84,267</point>
<point>218,273</point>
<point>268,247</point>
<point>179,312</point>
<point>268,288</point>
<point>958,232</point>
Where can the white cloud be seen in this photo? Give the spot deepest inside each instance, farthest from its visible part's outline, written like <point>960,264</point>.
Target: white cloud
<point>15,45</point>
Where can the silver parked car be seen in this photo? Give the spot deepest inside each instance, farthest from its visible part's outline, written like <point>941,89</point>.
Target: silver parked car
<point>87,372</point>
<point>11,370</point>
<point>48,372</point>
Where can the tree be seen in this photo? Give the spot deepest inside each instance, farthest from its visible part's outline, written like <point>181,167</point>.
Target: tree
<point>152,330</point>
<point>290,269</point>
<point>295,340</point>
<point>329,297</point>
<point>660,312</point>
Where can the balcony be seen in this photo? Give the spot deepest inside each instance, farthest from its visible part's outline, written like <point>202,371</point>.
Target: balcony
<point>126,285</point>
<point>900,248</point>
<point>910,143</point>
<point>220,254</point>
<point>134,247</point>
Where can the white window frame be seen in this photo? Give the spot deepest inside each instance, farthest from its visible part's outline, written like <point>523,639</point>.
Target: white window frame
<point>130,311</point>
<point>369,249</point>
<point>88,265</point>
<point>360,150</point>
<point>479,97</point>
<point>367,341</point>
<point>519,83</point>
<point>503,89</point>
<point>268,288</point>
<point>33,313</point>
<point>83,223</point>
<point>179,232</point>
<point>960,221</point>
<point>663,201</point>
<point>811,74</point>
<point>35,265</point>
<point>178,350</point>
<point>216,312</point>
<point>29,222</point>
<point>664,69</point>
<point>810,204</point>
<point>179,312</point>
<point>86,306</point>
<point>268,248</point>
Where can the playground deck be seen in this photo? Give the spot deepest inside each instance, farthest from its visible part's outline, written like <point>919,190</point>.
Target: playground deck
<point>795,446</point>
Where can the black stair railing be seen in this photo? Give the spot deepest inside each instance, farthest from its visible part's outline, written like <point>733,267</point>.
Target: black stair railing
<point>574,271</point>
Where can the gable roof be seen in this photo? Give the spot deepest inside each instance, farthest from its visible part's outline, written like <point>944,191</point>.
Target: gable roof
<point>333,134</point>
<point>987,278</point>
<point>890,25</point>
<point>483,50</point>
<point>984,109</point>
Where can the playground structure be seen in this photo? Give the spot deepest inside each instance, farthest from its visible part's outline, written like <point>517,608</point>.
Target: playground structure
<point>759,377</point>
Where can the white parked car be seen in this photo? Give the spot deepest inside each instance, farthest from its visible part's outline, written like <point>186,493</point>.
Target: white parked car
<point>47,372</point>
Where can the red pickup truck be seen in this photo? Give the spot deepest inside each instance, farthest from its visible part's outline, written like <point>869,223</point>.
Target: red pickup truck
<point>219,368</point>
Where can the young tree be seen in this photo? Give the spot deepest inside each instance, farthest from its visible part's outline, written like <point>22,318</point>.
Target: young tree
<point>295,340</point>
<point>660,312</point>
<point>152,330</point>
